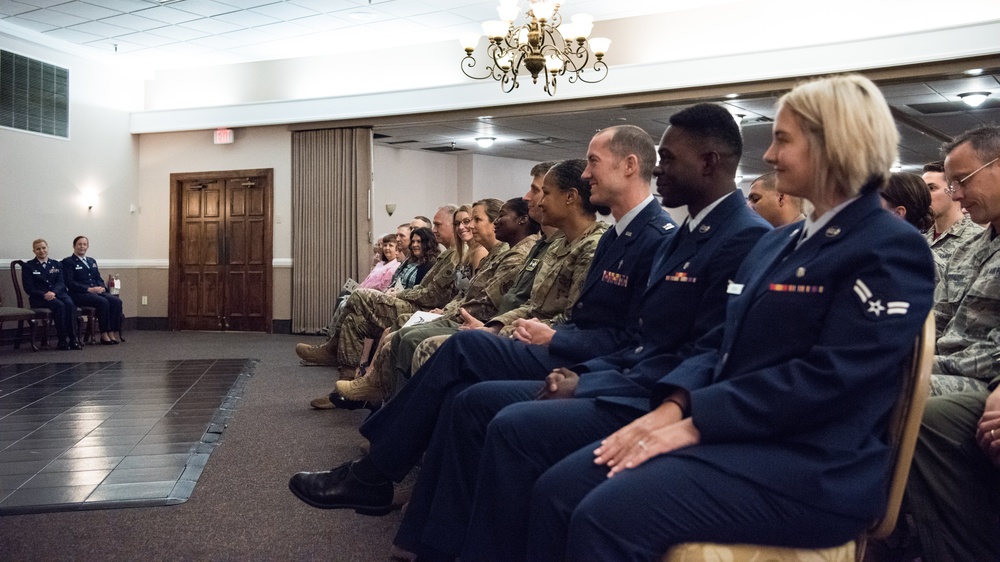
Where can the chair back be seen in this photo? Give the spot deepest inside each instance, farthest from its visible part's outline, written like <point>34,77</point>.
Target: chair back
<point>15,279</point>
<point>905,425</point>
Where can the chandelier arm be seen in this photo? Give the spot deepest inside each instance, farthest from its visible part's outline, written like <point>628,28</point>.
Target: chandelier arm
<point>600,68</point>
<point>470,62</point>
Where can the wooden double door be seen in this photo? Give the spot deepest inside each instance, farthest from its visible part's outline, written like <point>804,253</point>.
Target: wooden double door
<point>221,251</point>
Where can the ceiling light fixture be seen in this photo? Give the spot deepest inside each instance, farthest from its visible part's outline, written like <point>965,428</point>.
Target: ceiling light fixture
<point>485,142</point>
<point>974,99</point>
<point>974,71</point>
<point>542,46</point>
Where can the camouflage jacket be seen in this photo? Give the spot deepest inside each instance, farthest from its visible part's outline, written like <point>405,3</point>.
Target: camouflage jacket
<point>969,308</point>
<point>959,234</point>
<point>520,290</point>
<point>437,287</point>
<point>559,280</point>
<point>495,277</point>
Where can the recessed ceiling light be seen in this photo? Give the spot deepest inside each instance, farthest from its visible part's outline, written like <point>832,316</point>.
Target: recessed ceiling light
<point>974,99</point>
<point>974,71</point>
<point>732,96</point>
<point>485,142</point>
<point>896,168</point>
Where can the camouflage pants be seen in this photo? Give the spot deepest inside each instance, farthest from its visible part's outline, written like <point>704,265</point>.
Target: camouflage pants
<point>409,339</point>
<point>424,351</point>
<point>951,384</point>
<point>366,315</point>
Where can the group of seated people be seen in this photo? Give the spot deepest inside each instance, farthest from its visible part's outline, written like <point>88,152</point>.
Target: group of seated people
<point>595,392</point>
<point>64,286</point>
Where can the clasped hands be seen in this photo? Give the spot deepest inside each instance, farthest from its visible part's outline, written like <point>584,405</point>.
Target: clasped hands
<point>661,431</point>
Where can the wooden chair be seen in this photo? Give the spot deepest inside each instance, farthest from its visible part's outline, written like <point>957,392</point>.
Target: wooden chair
<point>904,427</point>
<point>19,315</point>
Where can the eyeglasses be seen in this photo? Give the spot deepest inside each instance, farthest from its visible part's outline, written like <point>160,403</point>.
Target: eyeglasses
<point>961,183</point>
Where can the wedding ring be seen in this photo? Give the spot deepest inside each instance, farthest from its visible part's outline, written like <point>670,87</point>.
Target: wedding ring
<point>642,444</point>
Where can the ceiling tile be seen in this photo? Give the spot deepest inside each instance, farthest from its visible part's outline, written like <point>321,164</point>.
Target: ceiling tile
<point>86,11</point>
<point>178,32</point>
<point>244,4</point>
<point>135,23</point>
<point>324,22</point>
<point>246,18</point>
<point>72,36</point>
<point>166,14</point>
<point>324,6</point>
<point>147,39</point>
<point>125,6</point>
<point>102,29</point>
<point>9,8</point>
<point>44,3</point>
<point>28,24</point>
<point>285,11</point>
<point>58,19</point>
<point>212,26</point>
<point>205,8</point>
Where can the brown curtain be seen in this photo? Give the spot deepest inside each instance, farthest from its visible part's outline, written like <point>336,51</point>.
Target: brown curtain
<point>331,222</point>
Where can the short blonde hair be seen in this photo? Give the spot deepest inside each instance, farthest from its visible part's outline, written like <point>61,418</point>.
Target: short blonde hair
<point>39,240</point>
<point>852,135</point>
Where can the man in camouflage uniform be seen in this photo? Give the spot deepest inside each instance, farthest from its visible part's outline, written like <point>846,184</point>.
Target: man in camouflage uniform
<point>953,492</point>
<point>368,312</point>
<point>952,230</point>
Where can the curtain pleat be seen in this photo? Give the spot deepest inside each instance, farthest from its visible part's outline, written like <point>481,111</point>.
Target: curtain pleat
<point>331,225</point>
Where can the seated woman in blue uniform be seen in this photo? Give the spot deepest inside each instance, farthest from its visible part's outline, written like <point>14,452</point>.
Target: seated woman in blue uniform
<point>42,280</point>
<point>86,288</point>
<point>776,432</point>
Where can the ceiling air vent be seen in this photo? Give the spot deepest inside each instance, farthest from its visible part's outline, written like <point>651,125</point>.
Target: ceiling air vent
<point>543,140</point>
<point>451,148</point>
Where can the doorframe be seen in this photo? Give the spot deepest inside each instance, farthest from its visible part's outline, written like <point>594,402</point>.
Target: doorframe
<point>174,310</point>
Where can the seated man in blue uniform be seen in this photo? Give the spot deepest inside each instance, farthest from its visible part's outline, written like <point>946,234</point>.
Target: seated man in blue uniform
<point>42,279</point>
<point>619,167</point>
<point>684,299</point>
<point>745,441</point>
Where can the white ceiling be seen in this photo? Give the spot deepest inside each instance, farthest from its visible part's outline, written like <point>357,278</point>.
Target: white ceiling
<point>182,33</point>
<point>185,33</point>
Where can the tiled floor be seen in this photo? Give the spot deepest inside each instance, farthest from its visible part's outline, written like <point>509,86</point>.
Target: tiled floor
<point>118,434</point>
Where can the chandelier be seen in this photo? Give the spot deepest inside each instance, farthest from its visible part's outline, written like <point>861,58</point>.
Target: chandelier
<point>544,45</point>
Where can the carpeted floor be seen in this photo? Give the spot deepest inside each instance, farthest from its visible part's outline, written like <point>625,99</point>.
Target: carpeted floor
<point>241,508</point>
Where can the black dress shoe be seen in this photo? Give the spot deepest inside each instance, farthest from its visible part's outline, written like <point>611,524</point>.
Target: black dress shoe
<point>339,488</point>
<point>342,403</point>
<point>108,342</point>
<point>63,346</point>
<point>76,345</point>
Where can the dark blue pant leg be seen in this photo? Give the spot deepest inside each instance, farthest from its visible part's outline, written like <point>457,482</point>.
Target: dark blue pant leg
<point>401,430</point>
<point>100,305</point>
<point>578,513</point>
<point>522,442</point>
<point>438,513</point>
<point>114,313</point>
<point>63,315</point>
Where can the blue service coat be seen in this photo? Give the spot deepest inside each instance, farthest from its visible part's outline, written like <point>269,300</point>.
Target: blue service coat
<point>38,279</point>
<point>684,299</point>
<point>618,273</point>
<point>796,399</point>
<point>79,276</point>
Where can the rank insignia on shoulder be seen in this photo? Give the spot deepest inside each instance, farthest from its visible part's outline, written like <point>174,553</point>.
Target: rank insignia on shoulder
<point>873,306</point>
<point>669,226</point>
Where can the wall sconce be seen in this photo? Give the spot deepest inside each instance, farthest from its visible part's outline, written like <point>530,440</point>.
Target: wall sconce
<point>390,208</point>
<point>89,200</point>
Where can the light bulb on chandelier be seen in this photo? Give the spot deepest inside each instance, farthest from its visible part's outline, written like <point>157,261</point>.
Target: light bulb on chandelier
<point>544,46</point>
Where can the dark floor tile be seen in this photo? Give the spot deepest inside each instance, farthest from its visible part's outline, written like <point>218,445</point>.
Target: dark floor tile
<point>183,437</point>
<point>13,481</point>
<point>154,461</point>
<point>33,442</point>
<point>47,496</point>
<point>70,478</point>
<point>25,466</point>
<point>30,455</point>
<point>89,463</point>
<point>109,440</point>
<point>86,452</point>
<point>136,475</point>
<point>155,449</point>
<point>131,491</point>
